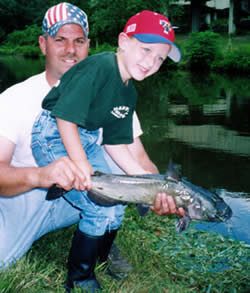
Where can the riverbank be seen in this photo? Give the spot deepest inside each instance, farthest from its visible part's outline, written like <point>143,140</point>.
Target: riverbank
<point>204,50</point>
<point>162,260</point>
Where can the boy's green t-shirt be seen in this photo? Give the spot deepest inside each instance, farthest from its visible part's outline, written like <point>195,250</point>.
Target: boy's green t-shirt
<point>92,95</point>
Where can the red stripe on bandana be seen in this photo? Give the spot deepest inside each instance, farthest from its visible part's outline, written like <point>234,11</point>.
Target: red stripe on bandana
<point>60,12</point>
<point>49,18</point>
<point>54,16</point>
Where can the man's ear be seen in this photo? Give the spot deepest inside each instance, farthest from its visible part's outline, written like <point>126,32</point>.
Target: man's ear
<point>42,44</point>
<point>123,40</point>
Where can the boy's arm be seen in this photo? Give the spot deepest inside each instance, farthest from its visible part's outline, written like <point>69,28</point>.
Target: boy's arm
<point>71,140</point>
<point>138,152</point>
<point>124,159</point>
<point>164,204</point>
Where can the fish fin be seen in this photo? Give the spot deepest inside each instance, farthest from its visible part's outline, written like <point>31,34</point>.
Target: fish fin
<point>102,200</point>
<point>99,173</point>
<point>142,209</point>
<point>55,192</point>
<point>172,172</point>
<point>182,223</point>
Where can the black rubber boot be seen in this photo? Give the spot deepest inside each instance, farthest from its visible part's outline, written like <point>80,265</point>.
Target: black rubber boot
<point>115,264</point>
<point>81,262</point>
<point>106,243</point>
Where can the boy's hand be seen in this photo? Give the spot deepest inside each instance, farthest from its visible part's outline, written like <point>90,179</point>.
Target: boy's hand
<point>83,178</point>
<point>165,206</point>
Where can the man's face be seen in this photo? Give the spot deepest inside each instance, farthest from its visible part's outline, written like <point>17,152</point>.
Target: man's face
<point>141,60</point>
<point>63,51</point>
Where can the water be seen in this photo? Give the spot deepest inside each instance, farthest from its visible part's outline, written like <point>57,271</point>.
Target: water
<point>238,226</point>
<point>201,122</point>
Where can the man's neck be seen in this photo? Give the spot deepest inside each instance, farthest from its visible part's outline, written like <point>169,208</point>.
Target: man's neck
<point>50,79</point>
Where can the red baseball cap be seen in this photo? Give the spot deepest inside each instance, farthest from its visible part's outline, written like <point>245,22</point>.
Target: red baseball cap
<point>152,27</point>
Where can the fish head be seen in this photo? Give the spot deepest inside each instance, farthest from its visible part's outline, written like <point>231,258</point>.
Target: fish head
<point>208,206</point>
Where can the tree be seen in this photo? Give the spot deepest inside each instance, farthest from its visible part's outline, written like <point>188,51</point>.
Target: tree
<point>196,6</point>
<point>231,26</point>
<point>107,18</point>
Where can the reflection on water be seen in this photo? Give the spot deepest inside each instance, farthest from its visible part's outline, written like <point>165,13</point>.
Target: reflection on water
<point>214,137</point>
<point>16,69</point>
<point>201,122</point>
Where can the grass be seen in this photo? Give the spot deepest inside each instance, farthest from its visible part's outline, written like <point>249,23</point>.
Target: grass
<point>162,260</point>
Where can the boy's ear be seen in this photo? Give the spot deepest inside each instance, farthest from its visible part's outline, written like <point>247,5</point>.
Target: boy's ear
<point>123,40</point>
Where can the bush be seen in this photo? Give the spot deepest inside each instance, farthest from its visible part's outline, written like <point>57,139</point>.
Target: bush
<point>23,42</point>
<point>27,37</point>
<point>202,49</point>
<point>234,61</point>
<point>101,48</point>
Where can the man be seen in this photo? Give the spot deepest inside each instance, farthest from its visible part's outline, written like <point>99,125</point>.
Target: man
<point>25,215</point>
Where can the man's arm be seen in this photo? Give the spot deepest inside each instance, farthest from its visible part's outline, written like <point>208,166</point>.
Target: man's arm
<point>14,181</point>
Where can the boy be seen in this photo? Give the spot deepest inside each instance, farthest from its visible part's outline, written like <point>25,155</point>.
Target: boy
<point>98,93</point>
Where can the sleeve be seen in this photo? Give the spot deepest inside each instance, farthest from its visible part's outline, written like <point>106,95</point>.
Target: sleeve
<point>137,130</point>
<point>10,123</point>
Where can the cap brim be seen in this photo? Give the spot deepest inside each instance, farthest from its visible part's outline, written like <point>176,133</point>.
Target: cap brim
<point>174,54</point>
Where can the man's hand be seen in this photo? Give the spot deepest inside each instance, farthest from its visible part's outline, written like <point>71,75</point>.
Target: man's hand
<point>62,172</point>
<point>165,206</point>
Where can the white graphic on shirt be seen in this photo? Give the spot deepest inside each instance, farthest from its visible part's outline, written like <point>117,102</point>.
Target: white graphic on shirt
<point>120,112</point>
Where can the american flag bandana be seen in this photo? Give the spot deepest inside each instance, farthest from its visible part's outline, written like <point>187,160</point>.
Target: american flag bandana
<point>61,14</point>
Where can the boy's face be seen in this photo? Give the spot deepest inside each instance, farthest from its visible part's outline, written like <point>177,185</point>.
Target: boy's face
<point>141,60</point>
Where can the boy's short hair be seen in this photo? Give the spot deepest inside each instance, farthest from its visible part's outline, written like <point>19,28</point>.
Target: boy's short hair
<point>61,14</point>
<point>152,27</point>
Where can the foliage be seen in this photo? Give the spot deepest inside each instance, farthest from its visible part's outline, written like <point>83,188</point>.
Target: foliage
<point>234,61</point>
<point>162,260</point>
<point>25,51</point>
<point>199,50</point>
<point>27,37</point>
<point>101,48</point>
<point>15,15</point>
<point>22,42</point>
<point>105,24</point>
<point>202,49</point>
<point>219,25</point>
